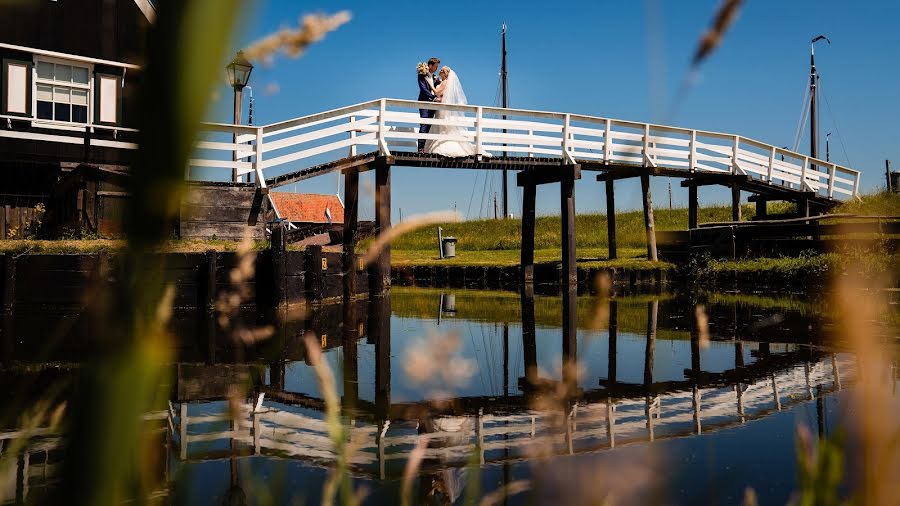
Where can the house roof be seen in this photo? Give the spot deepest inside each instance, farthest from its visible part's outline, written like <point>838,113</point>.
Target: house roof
<point>307,207</point>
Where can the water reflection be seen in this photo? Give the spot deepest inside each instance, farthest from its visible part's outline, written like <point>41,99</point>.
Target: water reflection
<point>547,383</point>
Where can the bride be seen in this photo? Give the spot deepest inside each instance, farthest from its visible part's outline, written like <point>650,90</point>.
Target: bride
<point>450,91</point>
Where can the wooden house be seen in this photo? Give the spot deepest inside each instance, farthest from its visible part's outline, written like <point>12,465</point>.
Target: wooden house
<point>68,90</point>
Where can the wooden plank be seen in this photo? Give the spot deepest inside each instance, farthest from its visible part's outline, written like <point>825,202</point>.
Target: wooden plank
<point>540,176</point>
<point>209,229</point>
<point>217,213</point>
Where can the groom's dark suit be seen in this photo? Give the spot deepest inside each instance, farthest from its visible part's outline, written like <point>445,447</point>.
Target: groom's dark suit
<point>426,95</point>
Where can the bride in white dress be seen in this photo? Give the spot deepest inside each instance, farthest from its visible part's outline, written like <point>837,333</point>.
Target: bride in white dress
<point>450,91</point>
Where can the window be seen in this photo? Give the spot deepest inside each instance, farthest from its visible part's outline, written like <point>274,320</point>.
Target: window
<point>61,92</point>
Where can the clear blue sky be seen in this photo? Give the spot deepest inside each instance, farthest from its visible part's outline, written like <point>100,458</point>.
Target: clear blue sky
<point>619,59</point>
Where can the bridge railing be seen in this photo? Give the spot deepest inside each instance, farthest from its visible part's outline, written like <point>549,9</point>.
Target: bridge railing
<point>452,440</point>
<point>388,125</point>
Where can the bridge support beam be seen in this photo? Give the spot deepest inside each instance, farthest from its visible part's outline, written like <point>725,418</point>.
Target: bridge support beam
<point>611,217</point>
<point>648,218</point>
<point>351,226</point>
<point>529,195</point>
<point>528,179</point>
<point>567,212</point>
<point>735,202</point>
<point>380,269</point>
<point>693,207</point>
<point>762,210</point>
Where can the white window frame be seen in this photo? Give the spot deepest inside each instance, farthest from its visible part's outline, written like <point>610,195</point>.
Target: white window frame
<point>35,81</point>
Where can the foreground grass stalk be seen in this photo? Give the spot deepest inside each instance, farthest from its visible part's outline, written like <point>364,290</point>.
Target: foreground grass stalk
<point>105,459</point>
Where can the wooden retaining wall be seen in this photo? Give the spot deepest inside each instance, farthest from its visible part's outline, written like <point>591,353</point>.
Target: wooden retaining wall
<point>546,278</point>
<point>199,278</point>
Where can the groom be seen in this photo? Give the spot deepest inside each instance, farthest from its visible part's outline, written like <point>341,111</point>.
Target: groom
<point>426,81</point>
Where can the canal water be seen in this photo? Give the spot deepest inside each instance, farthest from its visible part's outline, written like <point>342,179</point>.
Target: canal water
<point>671,399</point>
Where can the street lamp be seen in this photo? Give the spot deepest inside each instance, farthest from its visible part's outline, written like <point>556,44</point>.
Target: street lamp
<point>238,72</point>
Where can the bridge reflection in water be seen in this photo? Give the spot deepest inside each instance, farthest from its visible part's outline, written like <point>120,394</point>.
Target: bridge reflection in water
<point>765,378</point>
<point>646,376</point>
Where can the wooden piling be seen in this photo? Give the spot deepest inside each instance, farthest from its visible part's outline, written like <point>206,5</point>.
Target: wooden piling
<point>735,202</point>
<point>613,341</point>
<point>570,338</point>
<point>567,211</point>
<point>279,267</point>
<point>529,195</point>
<point>529,343</point>
<point>611,217</point>
<point>350,335</point>
<point>315,273</point>
<point>762,209</point>
<point>380,269</point>
<point>351,226</point>
<point>803,207</point>
<point>648,218</point>
<point>693,207</point>
<point>380,330</point>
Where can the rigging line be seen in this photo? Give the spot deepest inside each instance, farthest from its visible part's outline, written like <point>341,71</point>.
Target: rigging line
<point>472,196</point>
<point>801,123</point>
<point>483,193</point>
<point>472,340</point>
<point>837,129</point>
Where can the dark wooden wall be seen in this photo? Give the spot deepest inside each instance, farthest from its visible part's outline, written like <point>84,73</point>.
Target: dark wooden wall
<point>222,211</point>
<point>107,29</point>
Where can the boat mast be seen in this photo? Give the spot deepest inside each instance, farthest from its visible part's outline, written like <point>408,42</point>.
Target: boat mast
<point>505,104</point>
<point>813,99</point>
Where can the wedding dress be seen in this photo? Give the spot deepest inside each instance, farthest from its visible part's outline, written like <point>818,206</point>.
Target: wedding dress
<point>453,94</point>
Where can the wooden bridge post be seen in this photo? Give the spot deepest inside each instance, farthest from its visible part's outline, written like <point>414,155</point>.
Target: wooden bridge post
<point>762,208</point>
<point>567,211</point>
<point>695,371</point>
<point>611,217</point>
<point>570,339</point>
<point>351,225</point>
<point>349,343</point>
<point>380,330</point>
<point>380,269</point>
<point>315,278</point>
<point>612,361</point>
<point>529,194</point>
<point>735,202</point>
<point>649,355</point>
<point>693,206</point>
<point>648,218</point>
<point>529,344</point>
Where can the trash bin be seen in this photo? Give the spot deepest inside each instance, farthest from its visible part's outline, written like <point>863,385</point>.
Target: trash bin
<point>895,181</point>
<point>448,246</point>
<point>448,303</point>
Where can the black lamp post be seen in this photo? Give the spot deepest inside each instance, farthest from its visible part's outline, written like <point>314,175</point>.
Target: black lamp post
<point>238,72</point>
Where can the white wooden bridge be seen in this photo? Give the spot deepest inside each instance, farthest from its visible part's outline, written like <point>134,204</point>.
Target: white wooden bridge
<point>291,150</point>
<point>542,147</point>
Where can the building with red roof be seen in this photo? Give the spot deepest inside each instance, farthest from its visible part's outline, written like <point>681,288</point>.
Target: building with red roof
<point>307,208</point>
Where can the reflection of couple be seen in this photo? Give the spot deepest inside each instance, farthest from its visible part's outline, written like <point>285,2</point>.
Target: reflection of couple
<point>444,88</point>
